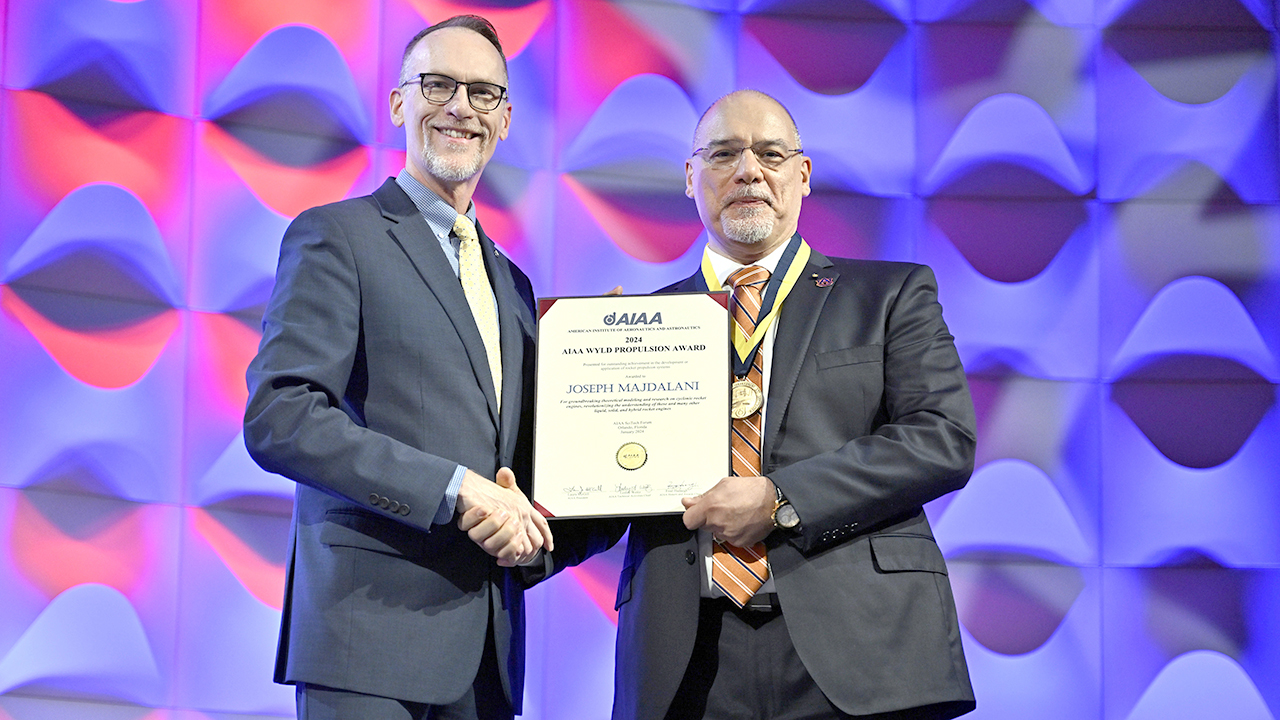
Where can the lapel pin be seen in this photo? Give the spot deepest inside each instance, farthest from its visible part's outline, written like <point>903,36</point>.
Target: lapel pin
<point>823,282</point>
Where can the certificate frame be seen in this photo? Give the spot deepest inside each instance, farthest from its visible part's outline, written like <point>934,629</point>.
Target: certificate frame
<point>632,402</point>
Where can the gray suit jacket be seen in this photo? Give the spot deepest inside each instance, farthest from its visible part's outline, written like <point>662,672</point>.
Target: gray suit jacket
<point>868,417</point>
<point>371,383</point>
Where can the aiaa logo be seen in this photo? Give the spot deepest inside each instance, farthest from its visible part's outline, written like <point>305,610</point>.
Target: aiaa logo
<point>633,319</point>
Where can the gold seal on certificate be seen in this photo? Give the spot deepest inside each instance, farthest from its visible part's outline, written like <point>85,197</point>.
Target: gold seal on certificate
<point>747,398</point>
<point>632,456</point>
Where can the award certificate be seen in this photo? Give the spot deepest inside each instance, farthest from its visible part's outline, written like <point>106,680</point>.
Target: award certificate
<point>632,403</point>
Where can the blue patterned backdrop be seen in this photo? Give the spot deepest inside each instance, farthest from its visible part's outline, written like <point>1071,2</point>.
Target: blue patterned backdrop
<point>1094,182</point>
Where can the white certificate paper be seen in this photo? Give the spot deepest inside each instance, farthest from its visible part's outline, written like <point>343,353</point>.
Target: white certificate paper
<point>632,408</point>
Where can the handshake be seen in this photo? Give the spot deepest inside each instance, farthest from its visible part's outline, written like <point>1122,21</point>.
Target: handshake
<point>501,520</point>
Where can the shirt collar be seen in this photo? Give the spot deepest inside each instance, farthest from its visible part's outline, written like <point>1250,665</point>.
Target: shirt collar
<point>439,214</point>
<point>724,267</point>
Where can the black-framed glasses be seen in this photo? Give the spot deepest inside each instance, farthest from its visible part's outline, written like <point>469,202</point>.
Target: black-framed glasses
<point>769,153</point>
<point>439,89</point>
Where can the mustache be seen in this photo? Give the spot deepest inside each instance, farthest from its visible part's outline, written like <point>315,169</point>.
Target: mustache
<point>751,193</point>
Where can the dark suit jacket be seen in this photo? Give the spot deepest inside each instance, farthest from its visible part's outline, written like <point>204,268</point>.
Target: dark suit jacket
<point>868,417</point>
<point>370,385</point>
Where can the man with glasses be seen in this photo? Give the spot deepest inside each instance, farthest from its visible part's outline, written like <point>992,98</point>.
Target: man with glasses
<point>392,384</point>
<point>807,584</point>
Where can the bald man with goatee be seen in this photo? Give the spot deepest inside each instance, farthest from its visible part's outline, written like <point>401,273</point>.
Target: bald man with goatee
<point>807,584</point>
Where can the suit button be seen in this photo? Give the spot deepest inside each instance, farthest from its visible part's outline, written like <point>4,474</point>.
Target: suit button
<point>384,503</point>
<point>395,506</point>
<point>404,510</point>
<point>690,557</point>
<point>373,498</point>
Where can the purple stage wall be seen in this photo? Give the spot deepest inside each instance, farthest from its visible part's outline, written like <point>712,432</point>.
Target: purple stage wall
<point>1095,183</point>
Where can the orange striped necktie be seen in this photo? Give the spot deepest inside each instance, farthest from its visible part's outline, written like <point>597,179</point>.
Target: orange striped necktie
<point>740,572</point>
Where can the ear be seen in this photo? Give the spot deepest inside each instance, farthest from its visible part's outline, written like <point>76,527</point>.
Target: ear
<point>688,179</point>
<point>506,121</point>
<point>806,170</point>
<point>397,107</point>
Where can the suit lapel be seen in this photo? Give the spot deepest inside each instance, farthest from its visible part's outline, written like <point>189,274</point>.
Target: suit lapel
<point>693,283</point>
<point>410,231</point>
<point>796,323</point>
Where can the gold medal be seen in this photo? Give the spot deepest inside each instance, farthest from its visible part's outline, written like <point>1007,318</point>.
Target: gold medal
<point>746,399</point>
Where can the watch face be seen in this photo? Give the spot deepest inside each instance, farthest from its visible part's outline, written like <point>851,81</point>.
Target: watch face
<point>786,517</point>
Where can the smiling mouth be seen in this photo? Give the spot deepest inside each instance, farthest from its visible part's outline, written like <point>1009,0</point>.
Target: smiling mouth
<point>457,133</point>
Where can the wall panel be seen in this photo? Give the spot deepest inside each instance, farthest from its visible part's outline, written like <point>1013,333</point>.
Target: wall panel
<point>1096,184</point>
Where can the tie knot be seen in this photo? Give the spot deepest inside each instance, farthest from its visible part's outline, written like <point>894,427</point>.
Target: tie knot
<point>749,275</point>
<point>465,229</point>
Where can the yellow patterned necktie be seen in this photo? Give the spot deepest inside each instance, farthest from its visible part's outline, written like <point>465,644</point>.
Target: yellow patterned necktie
<point>475,284</point>
<point>740,572</point>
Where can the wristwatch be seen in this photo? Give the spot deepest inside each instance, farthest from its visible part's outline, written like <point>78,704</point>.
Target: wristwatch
<point>785,516</point>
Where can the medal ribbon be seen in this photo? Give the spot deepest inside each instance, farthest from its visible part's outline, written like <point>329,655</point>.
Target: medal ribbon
<point>783,279</point>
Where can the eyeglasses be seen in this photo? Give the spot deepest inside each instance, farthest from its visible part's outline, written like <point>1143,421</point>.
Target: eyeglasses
<point>769,153</point>
<point>439,89</point>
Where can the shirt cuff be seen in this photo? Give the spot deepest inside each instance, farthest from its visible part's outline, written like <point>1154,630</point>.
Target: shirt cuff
<point>450,499</point>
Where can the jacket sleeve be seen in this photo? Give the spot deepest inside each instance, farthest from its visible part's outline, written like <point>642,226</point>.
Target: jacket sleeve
<point>919,438</point>
<point>303,419</point>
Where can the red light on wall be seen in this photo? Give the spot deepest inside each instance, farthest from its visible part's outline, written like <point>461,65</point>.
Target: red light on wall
<point>262,578</point>
<point>225,346</point>
<point>288,190</point>
<point>111,550</point>
<point>650,229</point>
<point>108,357</point>
<point>516,26</point>
<point>243,22</point>
<point>60,151</point>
